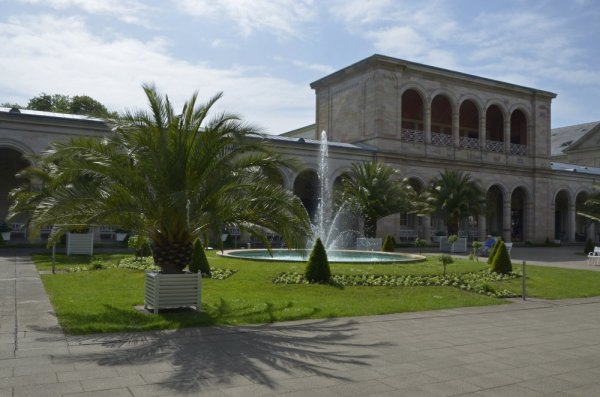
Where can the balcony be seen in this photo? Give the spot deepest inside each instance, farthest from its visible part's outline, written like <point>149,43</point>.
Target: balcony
<point>495,146</point>
<point>468,143</point>
<point>441,139</point>
<point>407,135</point>
<point>518,150</point>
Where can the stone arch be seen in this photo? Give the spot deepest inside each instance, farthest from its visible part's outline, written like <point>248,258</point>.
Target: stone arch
<point>412,108</point>
<point>468,119</point>
<point>563,202</point>
<point>494,127</point>
<point>442,109</point>
<point>494,207</point>
<point>518,127</point>
<point>306,187</point>
<point>519,214</point>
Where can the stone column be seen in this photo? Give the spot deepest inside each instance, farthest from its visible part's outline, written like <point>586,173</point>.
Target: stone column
<point>455,129</point>
<point>507,135</point>
<point>427,124</point>
<point>591,231</point>
<point>506,220</point>
<point>571,214</point>
<point>481,225</point>
<point>482,132</point>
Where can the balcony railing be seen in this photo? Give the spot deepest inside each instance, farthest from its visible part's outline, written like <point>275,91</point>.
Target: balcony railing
<point>441,139</point>
<point>495,146</point>
<point>518,149</point>
<point>468,143</point>
<point>407,135</point>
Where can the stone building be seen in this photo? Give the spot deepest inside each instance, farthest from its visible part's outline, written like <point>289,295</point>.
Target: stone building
<point>421,120</point>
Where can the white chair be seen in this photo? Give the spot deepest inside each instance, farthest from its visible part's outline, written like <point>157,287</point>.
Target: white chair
<point>594,256</point>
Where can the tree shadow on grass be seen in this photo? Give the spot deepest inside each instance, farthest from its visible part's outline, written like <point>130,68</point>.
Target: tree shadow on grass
<point>207,357</point>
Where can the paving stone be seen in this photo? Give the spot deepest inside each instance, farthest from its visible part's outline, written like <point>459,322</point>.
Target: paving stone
<point>123,392</point>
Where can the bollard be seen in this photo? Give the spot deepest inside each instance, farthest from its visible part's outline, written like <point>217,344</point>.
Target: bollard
<point>523,278</point>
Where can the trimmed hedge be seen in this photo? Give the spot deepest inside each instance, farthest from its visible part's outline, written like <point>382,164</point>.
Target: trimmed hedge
<point>389,244</point>
<point>501,262</point>
<point>199,260</point>
<point>589,246</point>
<point>317,267</point>
<point>493,251</point>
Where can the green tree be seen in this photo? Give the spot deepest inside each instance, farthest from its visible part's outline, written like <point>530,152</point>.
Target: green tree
<point>501,262</point>
<point>317,267</point>
<point>79,104</point>
<point>199,261</point>
<point>373,188</point>
<point>452,196</point>
<point>389,244</point>
<point>170,176</point>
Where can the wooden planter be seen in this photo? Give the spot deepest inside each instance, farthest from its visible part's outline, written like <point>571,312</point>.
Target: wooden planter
<point>166,291</point>
<point>80,243</point>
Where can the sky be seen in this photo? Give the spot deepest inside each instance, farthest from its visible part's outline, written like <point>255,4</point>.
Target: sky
<point>263,54</point>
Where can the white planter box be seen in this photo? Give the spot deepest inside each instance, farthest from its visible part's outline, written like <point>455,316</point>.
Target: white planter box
<point>164,291</point>
<point>6,236</point>
<point>120,236</point>
<point>80,243</point>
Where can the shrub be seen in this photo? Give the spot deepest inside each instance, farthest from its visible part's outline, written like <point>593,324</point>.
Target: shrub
<point>389,245</point>
<point>445,260</point>
<point>501,262</point>
<point>589,246</point>
<point>199,261</point>
<point>476,246</point>
<point>317,267</point>
<point>420,243</point>
<point>140,244</point>
<point>493,251</point>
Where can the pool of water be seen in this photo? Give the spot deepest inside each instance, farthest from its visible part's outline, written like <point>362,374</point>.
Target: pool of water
<point>336,256</point>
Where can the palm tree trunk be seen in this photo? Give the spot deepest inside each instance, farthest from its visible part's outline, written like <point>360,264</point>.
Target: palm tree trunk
<point>172,258</point>
<point>370,226</point>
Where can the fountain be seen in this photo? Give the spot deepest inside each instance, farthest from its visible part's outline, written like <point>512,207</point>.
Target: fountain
<point>327,228</point>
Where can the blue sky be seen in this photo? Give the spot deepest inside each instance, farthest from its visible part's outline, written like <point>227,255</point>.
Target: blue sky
<point>264,54</point>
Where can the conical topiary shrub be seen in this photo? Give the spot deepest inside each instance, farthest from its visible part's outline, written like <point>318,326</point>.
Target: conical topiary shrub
<point>317,268</point>
<point>589,246</point>
<point>199,261</point>
<point>501,262</point>
<point>493,251</point>
<point>389,244</point>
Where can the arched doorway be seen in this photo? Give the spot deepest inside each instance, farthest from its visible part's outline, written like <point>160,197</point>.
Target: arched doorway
<point>494,129</point>
<point>518,133</point>
<point>561,212</point>
<point>518,212</point>
<point>441,121</point>
<point>494,210</point>
<point>412,117</point>
<point>468,125</point>
<point>11,162</point>
<point>306,187</point>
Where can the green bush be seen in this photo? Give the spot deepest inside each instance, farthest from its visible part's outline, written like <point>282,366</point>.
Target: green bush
<point>420,243</point>
<point>589,246</point>
<point>317,267</point>
<point>199,261</point>
<point>445,260</point>
<point>140,245</point>
<point>493,251</point>
<point>501,262</point>
<point>389,245</point>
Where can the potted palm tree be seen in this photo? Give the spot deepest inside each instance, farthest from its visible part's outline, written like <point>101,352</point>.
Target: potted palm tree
<point>170,176</point>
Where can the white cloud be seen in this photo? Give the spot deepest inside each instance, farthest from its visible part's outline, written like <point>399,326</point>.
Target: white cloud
<point>283,18</point>
<point>126,10</point>
<point>60,55</point>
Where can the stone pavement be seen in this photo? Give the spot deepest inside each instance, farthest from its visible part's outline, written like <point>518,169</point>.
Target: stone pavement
<point>531,348</point>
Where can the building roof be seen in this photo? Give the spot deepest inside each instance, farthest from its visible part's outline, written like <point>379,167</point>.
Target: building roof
<point>307,131</point>
<point>382,60</point>
<point>565,137</point>
<point>574,168</point>
<point>53,115</point>
<point>342,145</point>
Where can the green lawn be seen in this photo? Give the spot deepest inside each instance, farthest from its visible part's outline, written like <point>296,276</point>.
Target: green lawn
<point>104,300</point>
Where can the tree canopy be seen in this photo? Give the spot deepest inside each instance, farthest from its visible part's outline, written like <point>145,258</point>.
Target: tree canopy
<point>167,175</point>
<point>59,103</point>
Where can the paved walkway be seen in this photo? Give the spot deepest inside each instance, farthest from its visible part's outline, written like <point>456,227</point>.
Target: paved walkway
<point>530,348</point>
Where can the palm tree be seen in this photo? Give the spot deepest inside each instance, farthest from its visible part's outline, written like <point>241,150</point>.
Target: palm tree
<point>170,177</point>
<point>452,196</point>
<point>372,186</point>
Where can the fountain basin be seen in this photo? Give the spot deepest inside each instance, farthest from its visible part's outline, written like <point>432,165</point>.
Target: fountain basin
<point>334,256</point>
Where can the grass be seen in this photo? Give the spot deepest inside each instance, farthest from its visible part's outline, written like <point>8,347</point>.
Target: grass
<point>104,301</point>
